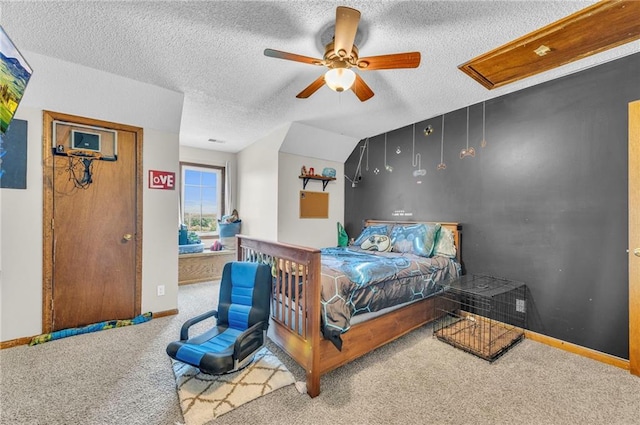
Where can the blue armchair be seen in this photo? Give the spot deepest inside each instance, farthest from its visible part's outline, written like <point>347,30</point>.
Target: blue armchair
<point>241,325</point>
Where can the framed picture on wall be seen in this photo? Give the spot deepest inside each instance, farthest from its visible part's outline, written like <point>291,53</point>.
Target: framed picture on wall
<point>15,73</point>
<point>13,156</point>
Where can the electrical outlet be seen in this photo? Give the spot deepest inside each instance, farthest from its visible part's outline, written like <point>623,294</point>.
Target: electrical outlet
<point>520,306</point>
<point>160,290</point>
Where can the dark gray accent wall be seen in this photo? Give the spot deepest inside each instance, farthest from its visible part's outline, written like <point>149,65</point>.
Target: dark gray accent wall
<point>544,202</point>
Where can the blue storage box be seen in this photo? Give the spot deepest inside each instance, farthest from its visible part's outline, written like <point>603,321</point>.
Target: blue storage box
<point>229,229</point>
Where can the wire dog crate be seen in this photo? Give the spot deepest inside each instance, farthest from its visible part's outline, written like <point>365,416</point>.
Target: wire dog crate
<point>481,314</point>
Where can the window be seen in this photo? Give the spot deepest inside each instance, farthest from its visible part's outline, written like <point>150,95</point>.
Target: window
<point>202,197</point>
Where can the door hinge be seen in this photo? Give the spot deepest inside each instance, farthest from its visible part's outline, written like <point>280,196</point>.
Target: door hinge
<point>52,223</point>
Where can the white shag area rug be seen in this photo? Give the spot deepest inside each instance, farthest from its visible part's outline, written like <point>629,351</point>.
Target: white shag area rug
<point>205,397</point>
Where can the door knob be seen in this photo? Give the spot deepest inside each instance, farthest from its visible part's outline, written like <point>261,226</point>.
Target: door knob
<point>636,252</point>
<point>127,236</point>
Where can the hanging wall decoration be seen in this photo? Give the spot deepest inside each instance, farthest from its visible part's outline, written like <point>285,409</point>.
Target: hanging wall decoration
<point>357,177</point>
<point>467,151</point>
<point>483,142</point>
<point>387,167</point>
<point>428,130</point>
<point>442,165</point>
<point>376,170</point>
<point>416,157</point>
<point>366,151</point>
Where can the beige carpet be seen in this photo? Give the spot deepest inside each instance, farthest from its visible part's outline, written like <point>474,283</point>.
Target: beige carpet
<point>206,397</point>
<point>123,376</point>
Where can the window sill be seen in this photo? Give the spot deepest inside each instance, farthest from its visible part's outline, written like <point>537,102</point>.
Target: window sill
<point>208,252</point>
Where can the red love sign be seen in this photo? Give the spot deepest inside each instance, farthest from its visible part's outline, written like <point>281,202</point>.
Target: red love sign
<point>162,179</point>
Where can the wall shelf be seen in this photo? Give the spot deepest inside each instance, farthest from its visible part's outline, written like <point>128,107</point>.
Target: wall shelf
<point>323,179</point>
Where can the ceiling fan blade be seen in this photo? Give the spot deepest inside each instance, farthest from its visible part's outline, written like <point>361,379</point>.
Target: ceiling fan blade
<point>292,57</point>
<point>361,89</point>
<point>311,88</point>
<point>347,20</point>
<point>393,61</point>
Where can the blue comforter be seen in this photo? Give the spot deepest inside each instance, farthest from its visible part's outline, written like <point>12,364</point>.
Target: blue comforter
<point>355,281</point>
<point>361,267</point>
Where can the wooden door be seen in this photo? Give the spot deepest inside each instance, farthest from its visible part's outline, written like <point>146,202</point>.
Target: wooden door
<point>92,248</point>
<point>634,237</point>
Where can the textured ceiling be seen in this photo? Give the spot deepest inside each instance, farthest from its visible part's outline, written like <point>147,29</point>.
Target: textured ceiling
<point>213,53</point>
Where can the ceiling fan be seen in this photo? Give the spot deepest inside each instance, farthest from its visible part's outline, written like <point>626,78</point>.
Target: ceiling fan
<point>342,54</point>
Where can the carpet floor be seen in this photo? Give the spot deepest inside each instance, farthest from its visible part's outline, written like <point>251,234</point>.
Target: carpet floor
<point>123,376</point>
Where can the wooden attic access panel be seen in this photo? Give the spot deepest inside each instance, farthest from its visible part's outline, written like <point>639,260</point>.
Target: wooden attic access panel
<point>602,26</point>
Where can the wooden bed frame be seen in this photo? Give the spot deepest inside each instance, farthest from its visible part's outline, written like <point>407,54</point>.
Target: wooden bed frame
<point>299,335</point>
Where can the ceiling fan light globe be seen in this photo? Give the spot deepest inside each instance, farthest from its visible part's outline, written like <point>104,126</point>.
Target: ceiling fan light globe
<point>339,79</point>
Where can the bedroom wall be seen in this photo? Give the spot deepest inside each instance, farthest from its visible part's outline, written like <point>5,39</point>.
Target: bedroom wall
<point>313,232</point>
<point>268,185</point>
<point>257,200</point>
<point>65,87</point>
<point>545,202</point>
